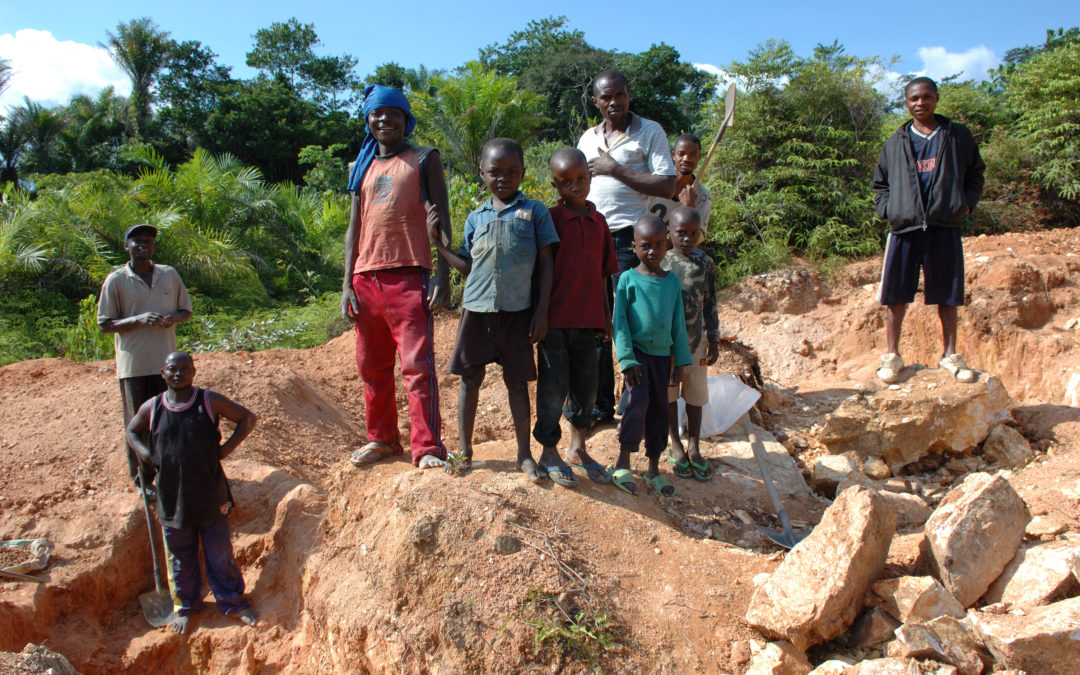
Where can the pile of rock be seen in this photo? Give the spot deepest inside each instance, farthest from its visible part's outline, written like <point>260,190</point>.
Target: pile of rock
<point>976,598</point>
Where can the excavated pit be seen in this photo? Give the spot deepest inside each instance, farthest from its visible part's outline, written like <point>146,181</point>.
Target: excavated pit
<point>394,570</point>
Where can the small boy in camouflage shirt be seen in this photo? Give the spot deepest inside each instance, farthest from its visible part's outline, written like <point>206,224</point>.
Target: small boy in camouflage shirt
<point>697,274</point>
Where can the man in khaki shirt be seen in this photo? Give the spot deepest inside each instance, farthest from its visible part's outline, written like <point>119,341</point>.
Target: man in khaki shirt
<point>140,303</point>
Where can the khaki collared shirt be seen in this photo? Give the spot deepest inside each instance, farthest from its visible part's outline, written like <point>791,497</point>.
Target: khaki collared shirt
<point>142,350</point>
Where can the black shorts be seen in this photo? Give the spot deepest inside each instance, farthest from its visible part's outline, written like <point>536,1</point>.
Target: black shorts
<point>494,337</point>
<point>940,254</point>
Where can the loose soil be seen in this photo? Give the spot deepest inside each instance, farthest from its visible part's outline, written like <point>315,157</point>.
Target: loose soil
<point>390,569</point>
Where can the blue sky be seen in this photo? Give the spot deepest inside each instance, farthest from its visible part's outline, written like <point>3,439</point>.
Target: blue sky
<point>54,47</point>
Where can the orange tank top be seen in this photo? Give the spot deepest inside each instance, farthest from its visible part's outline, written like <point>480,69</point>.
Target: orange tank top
<point>393,220</point>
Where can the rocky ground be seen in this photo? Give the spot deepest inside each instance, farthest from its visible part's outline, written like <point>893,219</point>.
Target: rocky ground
<point>394,570</point>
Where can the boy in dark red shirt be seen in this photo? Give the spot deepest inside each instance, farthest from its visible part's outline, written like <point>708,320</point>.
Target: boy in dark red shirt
<point>579,310</point>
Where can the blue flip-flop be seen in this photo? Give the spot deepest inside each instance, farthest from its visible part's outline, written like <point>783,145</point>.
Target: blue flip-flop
<point>593,466</point>
<point>560,475</point>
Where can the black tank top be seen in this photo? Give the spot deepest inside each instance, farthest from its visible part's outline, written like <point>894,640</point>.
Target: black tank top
<point>185,443</point>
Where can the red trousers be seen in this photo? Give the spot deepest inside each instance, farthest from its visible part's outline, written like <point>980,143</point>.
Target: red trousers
<point>394,317</point>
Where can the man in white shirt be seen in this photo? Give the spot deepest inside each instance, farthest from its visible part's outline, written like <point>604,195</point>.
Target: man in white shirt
<point>630,161</point>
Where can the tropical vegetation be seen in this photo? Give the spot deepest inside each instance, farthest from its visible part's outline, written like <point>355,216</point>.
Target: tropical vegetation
<point>244,178</point>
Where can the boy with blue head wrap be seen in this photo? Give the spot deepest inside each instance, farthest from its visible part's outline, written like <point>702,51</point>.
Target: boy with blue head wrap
<point>387,293</point>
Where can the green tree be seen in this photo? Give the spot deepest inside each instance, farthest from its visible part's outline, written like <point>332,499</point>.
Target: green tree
<point>12,143</point>
<point>557,63</point>
<point>328,171</point>
<point>288,50</point>
<point>5,74</point>
<point>265,122</point>
<point>41,127</point>
<point>407,80</point>
<point>188,89</point>
<point>141,49</point>
<point>665,89</point>
<point>1044,90</point>
<point>794,172</point>
<point>96,131</point>
<point>472,107</point>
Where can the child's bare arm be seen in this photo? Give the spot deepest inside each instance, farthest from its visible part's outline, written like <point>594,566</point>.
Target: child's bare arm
<point>545,268</point>
<point>350,306</point>
<point>437,234</point>
<point>231,410</point>
<point>437,192</point>
<point>137,428</point>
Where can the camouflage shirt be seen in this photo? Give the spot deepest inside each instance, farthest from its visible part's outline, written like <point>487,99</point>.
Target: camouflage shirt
<point>697,274</point>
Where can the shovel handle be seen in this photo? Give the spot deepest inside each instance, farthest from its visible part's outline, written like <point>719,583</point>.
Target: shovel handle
<point>759,455</point>
<point>150,528</point>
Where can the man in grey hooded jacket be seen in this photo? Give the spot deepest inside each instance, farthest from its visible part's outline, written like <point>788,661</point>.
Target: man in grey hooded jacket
<point>928,177</point>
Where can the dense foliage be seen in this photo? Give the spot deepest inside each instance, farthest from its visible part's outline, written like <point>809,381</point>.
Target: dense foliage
<point>245,178</point>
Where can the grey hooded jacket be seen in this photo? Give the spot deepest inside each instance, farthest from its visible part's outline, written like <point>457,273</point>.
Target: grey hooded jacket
<point>955,188</point>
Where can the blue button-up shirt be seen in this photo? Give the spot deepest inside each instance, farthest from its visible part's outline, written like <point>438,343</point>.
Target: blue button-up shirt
<point>502,246</point>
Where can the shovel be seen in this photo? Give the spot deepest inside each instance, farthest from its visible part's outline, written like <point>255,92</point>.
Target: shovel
<point>787,537</point>
<point>157,605</point>
<point>729,118</point>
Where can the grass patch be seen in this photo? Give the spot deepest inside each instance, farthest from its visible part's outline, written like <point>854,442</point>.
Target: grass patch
<point>580,635</point>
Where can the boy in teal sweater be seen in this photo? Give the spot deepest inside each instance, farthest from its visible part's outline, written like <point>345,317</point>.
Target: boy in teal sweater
<point>650,329</point>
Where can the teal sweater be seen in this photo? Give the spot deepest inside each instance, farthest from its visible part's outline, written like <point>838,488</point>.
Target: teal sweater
<point>649,316</point>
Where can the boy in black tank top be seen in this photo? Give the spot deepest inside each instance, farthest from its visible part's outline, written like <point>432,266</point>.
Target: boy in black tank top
<point>193,500</point>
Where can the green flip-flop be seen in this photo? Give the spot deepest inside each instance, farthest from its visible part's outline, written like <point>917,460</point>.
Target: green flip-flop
<point>622,479</point>
<point>662,485</point>
<point>701,471</point>
<point>683,469</point>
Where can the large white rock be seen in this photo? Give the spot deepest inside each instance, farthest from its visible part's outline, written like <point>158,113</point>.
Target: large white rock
<point>916,599</point>
<point>973,534</point>
<point>1007,447</point>
<point>1038,575</point>
<point>873,628</point>
<point>778,658</point>
<point>899,666</point>
<point>831,667</point>
<point>1044,640</point>
<point>828,471</point>
<point>911,510</point>
<point>930,412</point>
<point>818,589</point>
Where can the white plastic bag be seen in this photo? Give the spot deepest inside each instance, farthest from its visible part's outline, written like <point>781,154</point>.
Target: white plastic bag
<point>729,399</point>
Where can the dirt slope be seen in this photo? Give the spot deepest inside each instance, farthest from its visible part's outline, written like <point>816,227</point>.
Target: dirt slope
<point>393,570</point>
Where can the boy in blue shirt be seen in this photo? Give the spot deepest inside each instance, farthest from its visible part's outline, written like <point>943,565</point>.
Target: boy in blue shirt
<point>650,328</point>
<point>506,240</point>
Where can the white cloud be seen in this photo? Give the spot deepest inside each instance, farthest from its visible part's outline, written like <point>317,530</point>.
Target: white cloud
<point>972,64</point>
<point>724,76</point>
<point>51,71</point>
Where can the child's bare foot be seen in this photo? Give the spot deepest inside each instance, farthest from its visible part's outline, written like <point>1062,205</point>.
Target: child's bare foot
<point>577,456</point>
<point>533,472</point>
<point>431,462</point>
<point>180,624</point>
<point>248,616</point>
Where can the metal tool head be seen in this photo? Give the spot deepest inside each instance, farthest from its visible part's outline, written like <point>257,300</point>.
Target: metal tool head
<point>781,538</point>
<point>157,607</point>
<point>729,105</point>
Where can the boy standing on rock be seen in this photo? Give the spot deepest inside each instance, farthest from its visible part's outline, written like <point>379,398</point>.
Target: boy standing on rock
<point>387,292</point>
<point>929,176</point>
<point>193,498</point>
<point>507,239</point>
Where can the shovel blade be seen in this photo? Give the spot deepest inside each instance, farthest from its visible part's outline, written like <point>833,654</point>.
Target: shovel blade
<point>781,538</point>
<point>157,607</point>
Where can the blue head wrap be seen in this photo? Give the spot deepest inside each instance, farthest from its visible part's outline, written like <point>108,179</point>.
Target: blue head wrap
<point>377,96</point>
